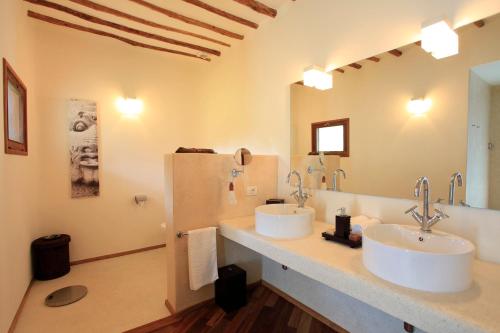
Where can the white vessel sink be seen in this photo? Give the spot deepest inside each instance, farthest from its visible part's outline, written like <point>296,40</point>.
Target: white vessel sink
<point>404,255</point>
<point>284,221</point>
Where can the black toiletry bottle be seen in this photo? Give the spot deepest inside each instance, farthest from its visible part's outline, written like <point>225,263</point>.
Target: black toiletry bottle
<point>342,224</point>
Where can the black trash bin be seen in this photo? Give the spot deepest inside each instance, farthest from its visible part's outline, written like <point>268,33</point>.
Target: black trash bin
<point>231,288</point>
<point>50,256</point>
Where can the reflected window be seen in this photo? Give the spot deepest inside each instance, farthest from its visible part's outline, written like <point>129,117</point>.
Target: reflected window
<point>330,137</point>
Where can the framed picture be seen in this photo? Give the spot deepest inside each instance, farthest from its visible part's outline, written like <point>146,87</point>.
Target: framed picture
<point>83,148</point>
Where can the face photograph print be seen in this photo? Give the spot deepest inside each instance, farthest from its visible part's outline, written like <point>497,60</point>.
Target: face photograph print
<point>83,148</point>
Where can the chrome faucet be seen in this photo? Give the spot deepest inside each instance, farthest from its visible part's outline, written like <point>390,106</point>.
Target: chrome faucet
<point>299,195</point>
<point>451,194</point>
<point>335,174</point>
<point>425,221</point>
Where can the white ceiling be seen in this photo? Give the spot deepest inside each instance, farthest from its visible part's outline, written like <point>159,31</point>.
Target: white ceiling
<point>178,6</point>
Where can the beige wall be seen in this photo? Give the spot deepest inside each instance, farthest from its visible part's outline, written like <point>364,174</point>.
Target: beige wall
<point>197,197</point>
<point>238,100</point>
<point>19,205</point>
<point>254,80</point>
<point>71,64</point>
<point>241,99</point>
<point>58,64</point>
<point>389,147</point>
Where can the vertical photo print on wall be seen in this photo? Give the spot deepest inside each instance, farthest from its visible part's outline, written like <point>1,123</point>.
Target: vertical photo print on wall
<point>83,148</point>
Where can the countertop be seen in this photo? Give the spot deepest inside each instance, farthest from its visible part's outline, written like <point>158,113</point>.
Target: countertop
<point>340,267</point>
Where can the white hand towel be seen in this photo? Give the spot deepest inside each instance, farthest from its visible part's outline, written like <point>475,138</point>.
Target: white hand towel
<point>202,256</point>
<point>361,222</point>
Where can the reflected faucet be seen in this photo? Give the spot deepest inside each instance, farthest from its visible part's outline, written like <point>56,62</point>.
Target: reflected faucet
<point>425,221</point>
<point>335,174</point>
<point>451,194</point>
<point>299,195</point>
<point>311,169</point>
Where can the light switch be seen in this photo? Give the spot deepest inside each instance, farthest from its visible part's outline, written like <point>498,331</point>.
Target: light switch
<point>252,190</point>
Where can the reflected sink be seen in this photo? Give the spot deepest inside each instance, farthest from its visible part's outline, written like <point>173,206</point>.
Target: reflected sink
<point>404,255</point>
<point>284,221</point>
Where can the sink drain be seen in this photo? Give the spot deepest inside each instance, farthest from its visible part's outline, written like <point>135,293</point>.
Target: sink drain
<point>65,296</point>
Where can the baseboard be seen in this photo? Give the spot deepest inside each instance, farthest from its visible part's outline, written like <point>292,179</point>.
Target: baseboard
<point>20,308</point>
<point>169,306</point>
<point>305,308</point>
<point>118,254</point>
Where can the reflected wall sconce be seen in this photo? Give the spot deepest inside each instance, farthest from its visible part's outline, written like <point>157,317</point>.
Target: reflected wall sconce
<point>316,77</point>
<point>439,39</point>
<point>129,107</point>
<point>419,106</point>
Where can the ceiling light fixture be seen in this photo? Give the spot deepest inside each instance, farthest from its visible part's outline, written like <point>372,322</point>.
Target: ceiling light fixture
<point>315,77</point>
<point>439,39</point>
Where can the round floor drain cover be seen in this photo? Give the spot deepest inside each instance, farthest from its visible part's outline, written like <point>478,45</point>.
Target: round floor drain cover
<point>66,296</point>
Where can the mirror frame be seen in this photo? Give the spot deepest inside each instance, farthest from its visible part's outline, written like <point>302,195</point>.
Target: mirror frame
<point>11,146</point>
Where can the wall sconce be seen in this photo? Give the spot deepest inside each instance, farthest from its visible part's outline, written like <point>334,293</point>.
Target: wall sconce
<point>130,107</point>
<point>419,106</point>
<point>315,77</point>
<point>439,39</point>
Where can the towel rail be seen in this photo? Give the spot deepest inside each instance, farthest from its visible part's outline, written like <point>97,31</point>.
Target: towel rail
<point>181,234</point>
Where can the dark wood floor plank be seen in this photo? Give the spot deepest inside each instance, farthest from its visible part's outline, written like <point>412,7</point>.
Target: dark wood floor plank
<point>220,326</point>
<point>295,317</point>
<point>252,312</point>
<point>305,323</point>
<point>217,316</point>
<point>283,316</point>
<point>316,326</point>
<point>271,300</point>
<point>266,312</point>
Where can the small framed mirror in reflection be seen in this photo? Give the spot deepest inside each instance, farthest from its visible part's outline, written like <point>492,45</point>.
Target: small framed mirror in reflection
<point>15,113</point>
<point>243,157</point>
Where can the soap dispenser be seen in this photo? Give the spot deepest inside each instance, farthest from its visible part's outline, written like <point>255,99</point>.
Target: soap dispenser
<point>342,224</point>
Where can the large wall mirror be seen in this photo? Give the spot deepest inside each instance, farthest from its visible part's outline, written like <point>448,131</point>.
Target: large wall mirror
<point>15,114</point>
<point>457,141</point>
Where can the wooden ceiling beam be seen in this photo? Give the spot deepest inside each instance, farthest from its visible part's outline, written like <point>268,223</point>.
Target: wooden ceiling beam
<point>374,59</point>
<point>55,21</point>
<point>259,7</point>
<point>222,13</point>
<point>187,20</point>
<point>355,65</point>
<point>479,23</point>
<point>120,27</point>
<point>92,5</point>
<point>396,52</point>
